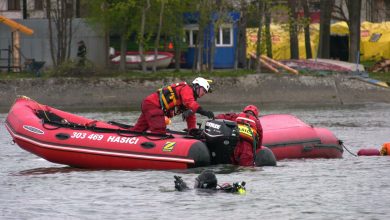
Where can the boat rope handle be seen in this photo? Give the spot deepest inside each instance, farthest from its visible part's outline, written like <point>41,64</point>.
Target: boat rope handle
<point>47,128</point>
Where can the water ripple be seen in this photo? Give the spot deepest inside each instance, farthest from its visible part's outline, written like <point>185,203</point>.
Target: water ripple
<point>348,188</point>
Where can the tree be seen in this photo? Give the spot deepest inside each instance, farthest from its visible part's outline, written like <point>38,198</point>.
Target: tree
<point>141,35</point>
<point>157,40</point>
<point>354,7</point>
<point>325,17</point>
<point>267,30</point>
<point>260,10</point>
<point>352,17</point>
<point>240,52</point>
<point>204,8</point>
<point>60,20</point>
<point>219,16</point>
<point>98,16</point>
<point>114,17</point>
<point>306,13</point>
<point>293,19</point>
<point>173,26</point>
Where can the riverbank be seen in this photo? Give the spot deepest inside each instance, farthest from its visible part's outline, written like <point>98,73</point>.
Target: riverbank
<point>261,89</point>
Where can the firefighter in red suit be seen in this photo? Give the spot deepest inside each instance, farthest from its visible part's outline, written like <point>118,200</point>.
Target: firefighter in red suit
<point>251,135</point>
<point>178,98</point>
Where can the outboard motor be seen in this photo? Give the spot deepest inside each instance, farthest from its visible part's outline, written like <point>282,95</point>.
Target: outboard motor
<point>221,139</point>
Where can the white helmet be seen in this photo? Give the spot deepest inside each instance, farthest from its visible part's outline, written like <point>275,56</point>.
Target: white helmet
<point>202,82</point>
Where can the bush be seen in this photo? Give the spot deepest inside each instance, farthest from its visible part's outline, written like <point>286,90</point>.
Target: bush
<point>71,68</point>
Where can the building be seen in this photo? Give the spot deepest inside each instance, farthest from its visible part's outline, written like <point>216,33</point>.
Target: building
<point>225,39</point>
<point>29,9</point>
<point>32,14</point>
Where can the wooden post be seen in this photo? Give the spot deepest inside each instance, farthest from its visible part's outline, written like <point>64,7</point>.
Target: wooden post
<point>16,61</point>
<point>264,63</point>
<point>268,66</point>
<point>279,64</point>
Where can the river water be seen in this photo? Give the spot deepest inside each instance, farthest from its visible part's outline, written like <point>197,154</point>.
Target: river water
<point>347,188</point>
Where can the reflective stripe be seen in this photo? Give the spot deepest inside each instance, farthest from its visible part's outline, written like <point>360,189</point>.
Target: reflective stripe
<point>246,132</point>
<point>244,129</point>
<point>168,96</point>
<point>172,97</point>
<point>166,106</point>
<point>246,119</point>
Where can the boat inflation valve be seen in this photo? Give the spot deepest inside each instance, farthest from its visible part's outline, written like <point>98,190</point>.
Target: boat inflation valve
<point>307,148</point>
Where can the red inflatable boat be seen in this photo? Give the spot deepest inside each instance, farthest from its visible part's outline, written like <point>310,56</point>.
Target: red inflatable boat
<point>64,138</point>
<point>290,138</point>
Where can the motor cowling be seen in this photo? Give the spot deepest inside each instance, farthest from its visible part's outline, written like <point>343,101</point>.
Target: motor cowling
<point>221,139</point>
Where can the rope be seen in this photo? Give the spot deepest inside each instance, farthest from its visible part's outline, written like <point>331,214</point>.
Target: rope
<point>108,130</point>
<point>342,144</point>
<point>92,125</point>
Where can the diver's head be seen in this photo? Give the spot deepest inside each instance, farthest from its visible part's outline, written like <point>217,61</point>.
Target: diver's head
<point>206,180</point>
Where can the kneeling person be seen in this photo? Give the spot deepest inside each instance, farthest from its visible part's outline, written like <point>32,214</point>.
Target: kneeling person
<point>179,98</point>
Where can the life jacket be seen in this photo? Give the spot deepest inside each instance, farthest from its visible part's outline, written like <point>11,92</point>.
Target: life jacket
<point>247,126</point>
<point>169,95</point>
<point>385,149</point>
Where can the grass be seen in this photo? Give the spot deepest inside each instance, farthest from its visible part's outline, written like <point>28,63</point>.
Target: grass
<point>382,76</point>
<point>385,76</point>
<point>70,69</point>
<point>86,72</point>
<point>13,75</point>
<point>182,74</point>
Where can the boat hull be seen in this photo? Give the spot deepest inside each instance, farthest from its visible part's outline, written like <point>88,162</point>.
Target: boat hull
<point>64,138</point>
<point>290,138</point>
<point>87,148</point>
<point>133,60</point>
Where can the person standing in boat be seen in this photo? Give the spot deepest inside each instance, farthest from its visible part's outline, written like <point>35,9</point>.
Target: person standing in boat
<point>251,135</point>
<point>178,98</point>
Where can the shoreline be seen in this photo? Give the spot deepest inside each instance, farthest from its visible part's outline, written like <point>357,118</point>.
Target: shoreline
<point>262,89</point>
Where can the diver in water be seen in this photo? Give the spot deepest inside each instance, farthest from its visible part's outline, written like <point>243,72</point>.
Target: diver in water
<point>208,180</point>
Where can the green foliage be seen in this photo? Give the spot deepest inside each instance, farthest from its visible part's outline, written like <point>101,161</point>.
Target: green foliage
<point>182,74</point>
<point>73,69</point>
<point>115,16</point>
<point>12,75</point>
<point>382,76</point>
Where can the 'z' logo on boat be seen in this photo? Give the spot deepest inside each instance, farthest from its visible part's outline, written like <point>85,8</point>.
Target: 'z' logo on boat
<point>33,129</point>
<point>168,147</point>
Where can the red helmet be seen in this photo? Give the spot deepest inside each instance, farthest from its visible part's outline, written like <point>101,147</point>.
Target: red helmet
<point>253,109</point>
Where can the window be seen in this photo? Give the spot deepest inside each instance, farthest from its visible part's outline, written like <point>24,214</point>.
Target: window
<point>38,4</point>
<point>191,36</point>
<point>13,5</point>
<point>224,36</point>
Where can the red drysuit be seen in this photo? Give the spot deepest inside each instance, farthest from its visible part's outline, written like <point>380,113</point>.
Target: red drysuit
<point>243,153</point>
<point>152,115</point>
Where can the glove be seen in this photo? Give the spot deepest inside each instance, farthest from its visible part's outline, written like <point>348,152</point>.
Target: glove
<point>208,114</point>
<point>195,132</point>
<point>180,185</point>
<point>186,114</point>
